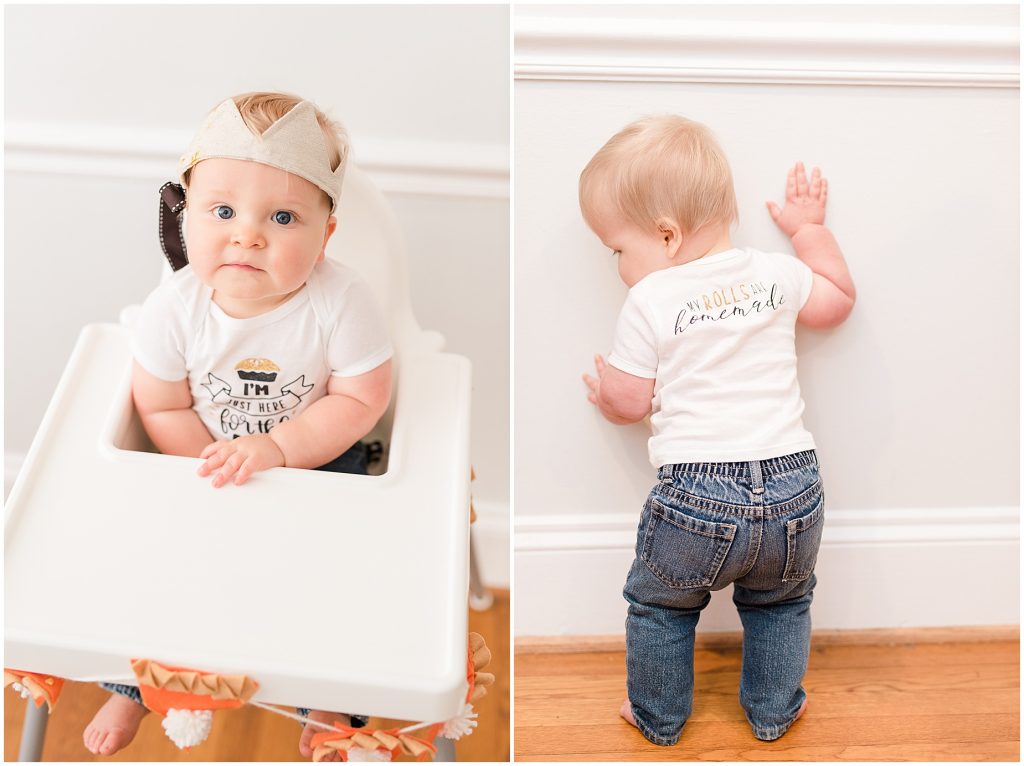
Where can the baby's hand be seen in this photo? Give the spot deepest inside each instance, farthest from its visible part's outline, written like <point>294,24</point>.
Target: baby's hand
<point>240,458</point>
<point>804,203</point>
<point>594,384</point>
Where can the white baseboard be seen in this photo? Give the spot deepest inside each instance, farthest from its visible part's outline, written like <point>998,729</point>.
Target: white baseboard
<point>876,569</point>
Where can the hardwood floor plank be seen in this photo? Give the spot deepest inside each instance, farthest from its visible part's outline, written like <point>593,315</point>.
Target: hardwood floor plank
<point>904,701</point>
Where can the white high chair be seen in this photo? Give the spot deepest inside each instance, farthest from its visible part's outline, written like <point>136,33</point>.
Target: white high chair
<point>332,591</point>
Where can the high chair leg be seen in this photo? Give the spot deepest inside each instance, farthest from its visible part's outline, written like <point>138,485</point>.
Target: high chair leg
<point>33,732</point>
<point>445,750</point>
<point>480,599</point>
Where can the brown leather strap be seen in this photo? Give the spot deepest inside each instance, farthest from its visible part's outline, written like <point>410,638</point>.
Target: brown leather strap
<point>172,205</point>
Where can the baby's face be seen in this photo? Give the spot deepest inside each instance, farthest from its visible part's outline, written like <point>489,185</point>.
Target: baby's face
<point>640,251</point>
<point>254,232</point>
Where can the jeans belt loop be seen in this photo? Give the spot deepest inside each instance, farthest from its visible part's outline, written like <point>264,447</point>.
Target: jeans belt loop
<point>757,483</point>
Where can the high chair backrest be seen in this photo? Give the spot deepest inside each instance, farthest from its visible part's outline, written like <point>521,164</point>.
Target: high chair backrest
<point>368,239</point>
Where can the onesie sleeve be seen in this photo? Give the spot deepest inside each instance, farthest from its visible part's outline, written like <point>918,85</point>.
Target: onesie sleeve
<point>805,280</point>
<point>158,338</point>
<point>635,346</point>
<point>358,340</point>
<point>799,276</point>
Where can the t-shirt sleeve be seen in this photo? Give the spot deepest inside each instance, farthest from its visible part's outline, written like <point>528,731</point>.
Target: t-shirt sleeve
<point>635,346</point>
<point>358,341</point>
<point>158,337</point>
<point>805,278</point>
<point>800,275</point>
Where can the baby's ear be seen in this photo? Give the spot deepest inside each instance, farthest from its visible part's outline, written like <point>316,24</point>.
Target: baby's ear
<point>332,224</point>
<point>671,234</point>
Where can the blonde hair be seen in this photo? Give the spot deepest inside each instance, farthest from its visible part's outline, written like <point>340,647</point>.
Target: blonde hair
<point>261,109</point>
<point>661,167</point>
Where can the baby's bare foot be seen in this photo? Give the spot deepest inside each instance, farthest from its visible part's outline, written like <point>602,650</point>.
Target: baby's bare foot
<point>626,711</point>
<point>323,716</point>
<point>114,725</point>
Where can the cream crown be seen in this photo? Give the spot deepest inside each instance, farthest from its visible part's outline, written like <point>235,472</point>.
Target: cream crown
<point>295,144</point>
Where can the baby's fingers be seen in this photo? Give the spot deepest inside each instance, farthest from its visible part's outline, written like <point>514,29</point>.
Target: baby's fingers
<point>210,448</point>
<point>599,364</point>
<point>247,469</point>
<point>816,183</point>
<point>214,460</point>
<point>230,467</point>
<point>801,180</point>
<point>791,184</point>
<point>590,381</point>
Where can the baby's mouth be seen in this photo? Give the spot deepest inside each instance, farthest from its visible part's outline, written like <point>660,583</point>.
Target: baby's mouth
<point>241,266</point>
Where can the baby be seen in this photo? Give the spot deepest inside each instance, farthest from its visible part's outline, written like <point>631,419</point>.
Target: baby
<point>260,353</point>
<point>705,344</point>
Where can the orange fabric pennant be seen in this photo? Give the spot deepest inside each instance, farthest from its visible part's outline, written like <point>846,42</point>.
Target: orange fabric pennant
<point>42,687</point>
<point>164,687</point>
<point>346,738</point>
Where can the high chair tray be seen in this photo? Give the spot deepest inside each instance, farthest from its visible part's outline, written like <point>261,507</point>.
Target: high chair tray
<point>332,591</point>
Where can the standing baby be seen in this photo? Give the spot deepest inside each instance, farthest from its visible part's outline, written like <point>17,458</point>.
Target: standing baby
<point>705,345</point>
<point>260,353</point>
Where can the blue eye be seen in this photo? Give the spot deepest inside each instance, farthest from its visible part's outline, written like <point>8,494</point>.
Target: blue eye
<point>223,212</point>
<point>283,217</point>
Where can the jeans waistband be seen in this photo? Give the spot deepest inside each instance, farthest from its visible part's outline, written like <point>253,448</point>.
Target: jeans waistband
<point>742,470</point>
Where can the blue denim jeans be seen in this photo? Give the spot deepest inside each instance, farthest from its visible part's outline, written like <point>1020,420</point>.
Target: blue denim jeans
<point>353,460</point>
<point>756,525</point>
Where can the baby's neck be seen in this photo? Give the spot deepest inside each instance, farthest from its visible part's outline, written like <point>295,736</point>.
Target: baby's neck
<point>247,309</point>
<point>706,241</point>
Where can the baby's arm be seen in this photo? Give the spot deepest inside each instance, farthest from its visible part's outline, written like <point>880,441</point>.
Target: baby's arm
<point>621,397</point>
<point>326,429</point>
<point>167,415</point>
<point>803,221</point>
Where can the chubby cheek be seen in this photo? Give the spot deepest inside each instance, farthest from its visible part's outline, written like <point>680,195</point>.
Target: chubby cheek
<point>625,273</point>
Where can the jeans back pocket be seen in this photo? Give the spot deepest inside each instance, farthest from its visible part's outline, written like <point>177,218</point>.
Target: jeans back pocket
<point>803,538</point>
<point>684,551</point>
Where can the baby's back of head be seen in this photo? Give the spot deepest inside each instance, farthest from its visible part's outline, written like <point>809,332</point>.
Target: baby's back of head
<point>657,167</point>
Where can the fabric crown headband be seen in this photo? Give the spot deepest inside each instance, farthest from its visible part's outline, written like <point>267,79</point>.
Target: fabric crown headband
<point>295,144</point>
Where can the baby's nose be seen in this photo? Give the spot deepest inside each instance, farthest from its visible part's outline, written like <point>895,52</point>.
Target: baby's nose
<point>246,234</point>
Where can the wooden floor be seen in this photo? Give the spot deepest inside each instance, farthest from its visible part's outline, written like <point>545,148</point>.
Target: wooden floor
<point>250,734</point>
<point>912,696</point>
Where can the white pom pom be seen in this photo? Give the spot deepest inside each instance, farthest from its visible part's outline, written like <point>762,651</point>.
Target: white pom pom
<point>460,725</point>
<point>362,754</point>
<point>188,728</point>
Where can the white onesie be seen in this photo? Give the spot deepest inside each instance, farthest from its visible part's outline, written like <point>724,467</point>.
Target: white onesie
<point>249,375</point>
<point>718,337</point>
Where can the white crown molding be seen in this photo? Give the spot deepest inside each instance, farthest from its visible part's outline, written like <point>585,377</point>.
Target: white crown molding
<point>403,166</point>
<point>588,532</point>
<point>614,49</point>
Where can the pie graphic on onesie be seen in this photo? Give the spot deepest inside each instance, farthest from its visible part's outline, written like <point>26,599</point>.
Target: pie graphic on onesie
<point>255,368</point>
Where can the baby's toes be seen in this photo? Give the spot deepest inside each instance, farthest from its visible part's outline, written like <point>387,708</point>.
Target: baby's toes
<point>307,735</point>
<point>89,739</point>
<point>109,743</point>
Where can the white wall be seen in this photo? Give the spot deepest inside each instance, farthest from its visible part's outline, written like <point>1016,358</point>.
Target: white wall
<point>100,101</point>
<point>912,112</point>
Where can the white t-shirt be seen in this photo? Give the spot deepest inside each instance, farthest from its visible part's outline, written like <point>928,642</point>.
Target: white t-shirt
<point>249,375</point>
<point>718,337</point>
